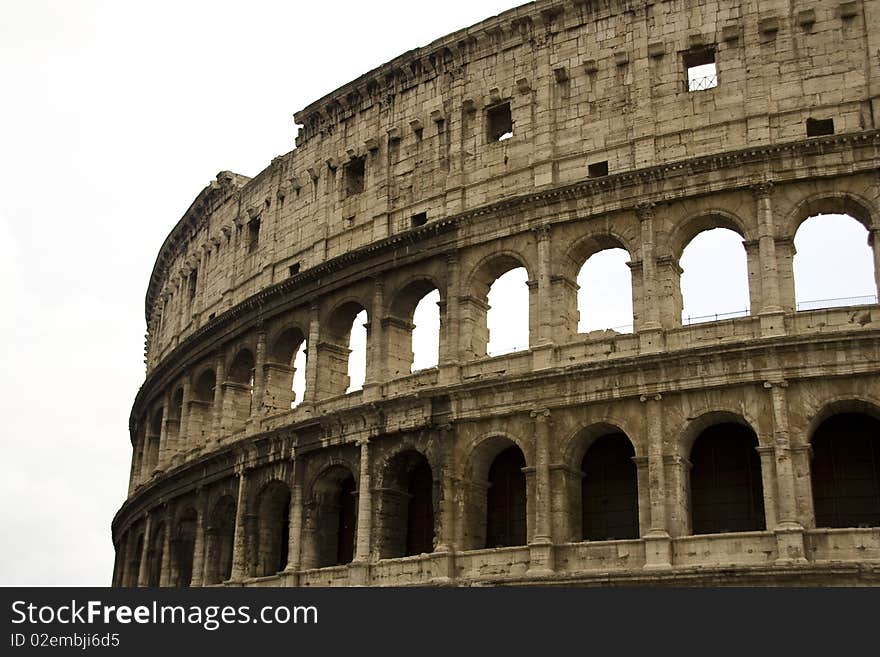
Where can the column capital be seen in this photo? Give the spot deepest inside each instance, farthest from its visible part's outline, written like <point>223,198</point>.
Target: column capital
<point>780,383</point>
<point>646,398</point>
<point>542,231</point>
<point>540,414</point>
<point>645,210</point>
<point>761,189</point>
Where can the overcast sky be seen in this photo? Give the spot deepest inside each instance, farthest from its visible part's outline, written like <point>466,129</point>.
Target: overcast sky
<point>114,115</point>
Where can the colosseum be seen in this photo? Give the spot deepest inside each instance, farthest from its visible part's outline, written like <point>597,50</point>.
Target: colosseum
<point>744,449</point>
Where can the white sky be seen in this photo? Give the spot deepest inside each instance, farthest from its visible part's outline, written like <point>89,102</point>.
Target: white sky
<point>114,115</point>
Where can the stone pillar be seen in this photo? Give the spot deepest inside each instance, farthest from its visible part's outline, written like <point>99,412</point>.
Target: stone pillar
<point>446,533</point>
<point>165,566</point>
<point>144,570</point>
<point>658,547</point>
<point>164,434</point>
<point>217,408</point>
<point>644,486</point>
<point>771,306</point>
<point>541,342</point>
<point>198,569</point>
<point>239,541</point>
<point>311,391</point>
<point>768,483</point>
<point>789,532</point>
<point>365,505</point>
<point>449,321</point>
<point>874,242</point>
<point>258,394</point>
<point>183,429</point>
<point>375,374</point>
<point>294,546</point>
<point>753,266</point>
<point>801,455</point>
<point>645,213</point>
<point>541,548</point>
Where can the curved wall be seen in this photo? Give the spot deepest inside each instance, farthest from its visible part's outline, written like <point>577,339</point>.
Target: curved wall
<point>397,187</point>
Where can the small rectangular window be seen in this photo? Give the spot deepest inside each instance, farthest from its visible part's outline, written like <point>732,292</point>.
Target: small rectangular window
<point>253,234</point>
<point>193,282</point>
<point>819,127</point>
<point>500,122</point>
<point>355,173</point>
<point>293,269</point>
<point>598,169</point>
<point>702,73</point>
<point>419,219</point>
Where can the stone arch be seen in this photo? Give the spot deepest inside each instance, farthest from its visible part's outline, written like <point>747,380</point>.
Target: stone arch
<point>576,254</point>
<point>280,369</point>
<point>183,543</point>
<point>829,202</point>
<point>685,230</point>
<point>487,513</point>
<point>272,510</point>
<point>334,352</point>
<point>474,305</point>
<point>219,540</point>
<point>845,468</point>
<point>726,480</point>
<point>135,565</point>
<point>330,526</point>
<point>238,390</point>
<point>602,484</point>
<point>199,416</point>
<point>155,555</point>
<point>241,367</point>
<point>407,504</point>
<point>399,327</point>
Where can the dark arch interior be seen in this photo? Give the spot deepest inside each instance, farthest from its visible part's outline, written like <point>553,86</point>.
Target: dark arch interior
<point>333,519</point>
<point>609,490</point>
<point>274,528</point>
<point>506,500</point>
<point>204,387</point>
<point>184,547</point>
<point>846,471</point>
<point>242,367</point>
<point>220,537</point>
<point>726,490</point>
<point>406,506</point>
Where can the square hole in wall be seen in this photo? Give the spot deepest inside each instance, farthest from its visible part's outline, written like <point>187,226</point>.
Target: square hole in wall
<point>702,73</point>
<point>355,174</point>
<point>419,219</point>
<point>598,169</point>
<point>253,234</point>
<point>293,270</point>
<point>499,122</point>
<point>819,127</point>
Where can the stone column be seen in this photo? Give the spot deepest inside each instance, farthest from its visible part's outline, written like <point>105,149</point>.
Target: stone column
<point>789,532</point>
<point>198,569</point>
<point>144,570</point>
<point>768,483</point>
<point>183,429</point>
<point>644,490</point>
<point>162,456</point>
<point>295,522</point>
<point>541,548</point>
<point>217,408</point>
<point>165,566</point>
<point>771,306</point>
<point>449,321</point>
<point>658,548</point>
<point>365,505</point>
<point>446,533</point>
<point>375,374</point>
<point>542,342</point>
<point>239,541</point>
<point>311,391</point>
<point>258,393</point>
<point>874,242</point>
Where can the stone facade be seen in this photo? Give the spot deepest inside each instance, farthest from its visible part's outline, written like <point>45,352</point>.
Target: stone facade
<point>400,185</point>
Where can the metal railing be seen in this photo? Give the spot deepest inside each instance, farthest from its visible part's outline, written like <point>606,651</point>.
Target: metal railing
<point>702,84</point>
<point>818,304</point>
<point>717,317</point>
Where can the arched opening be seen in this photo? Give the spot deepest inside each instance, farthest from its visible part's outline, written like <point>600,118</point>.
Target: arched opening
<point>604,297</point>
<point>609,490</point>
<point>285,371</point>
<point>183,547</point>
<point>135,565</point>
<point>846,471</point>
<point>342,352</point>
<point>153,436</point>
<point>507,315</point>
<point>154,556</point>
<point>273,528</point>
<point>833,263</point>
<point>426,332</point>
<point>405,506</point>
<point>238,392</point>
<point>199,421</point>
<point>219,539</point>
<point>714,278</point>
<point>412,329</point>
<point>331,519</point>
<point>726,488</point>
<point>174,416</point>
<point>506,500</point>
